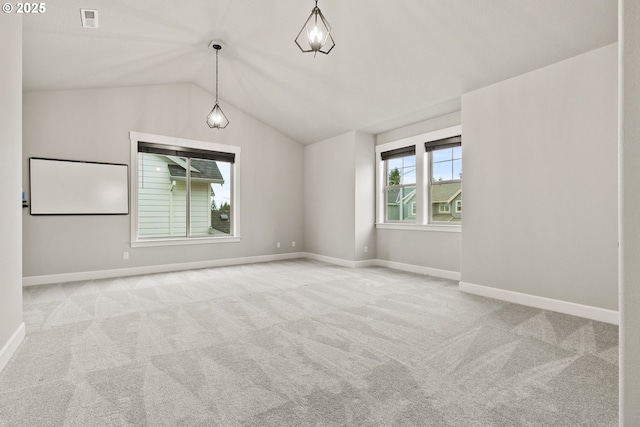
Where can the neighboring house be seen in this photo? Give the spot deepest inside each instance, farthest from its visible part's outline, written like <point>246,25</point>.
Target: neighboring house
<point>162,196</point>
<point>446,201</point>
<point>401,206</point>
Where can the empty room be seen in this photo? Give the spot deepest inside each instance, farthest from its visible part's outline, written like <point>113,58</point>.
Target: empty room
<point>250,213</point>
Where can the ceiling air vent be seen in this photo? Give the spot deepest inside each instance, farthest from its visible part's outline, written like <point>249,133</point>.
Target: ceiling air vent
<point>89,18</point>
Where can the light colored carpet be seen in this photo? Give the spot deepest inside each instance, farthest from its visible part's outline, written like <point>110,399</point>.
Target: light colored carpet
<point>302,343</point>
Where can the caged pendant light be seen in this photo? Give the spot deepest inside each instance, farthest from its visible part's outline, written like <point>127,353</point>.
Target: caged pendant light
<point>216,118</point>
<point>315,34</point>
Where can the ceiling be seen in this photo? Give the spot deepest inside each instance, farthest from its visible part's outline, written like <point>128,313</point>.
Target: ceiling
<point>395,62</point>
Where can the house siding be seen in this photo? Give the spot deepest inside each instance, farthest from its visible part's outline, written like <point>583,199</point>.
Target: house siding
<point>456,215</point>
<point>441,192</point>
<point>161,209</point>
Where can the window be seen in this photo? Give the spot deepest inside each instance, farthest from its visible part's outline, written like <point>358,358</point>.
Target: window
<point>400,187</point>
<point>419,181</point>
<point>185,191</point>
<point>445,158</point>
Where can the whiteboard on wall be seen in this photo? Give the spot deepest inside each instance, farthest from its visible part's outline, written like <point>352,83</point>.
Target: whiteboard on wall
<point>69,187</point>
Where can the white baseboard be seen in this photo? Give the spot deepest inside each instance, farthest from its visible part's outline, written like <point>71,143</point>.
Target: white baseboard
<point>11,346</point>
<point>589,312</point>
<point>445,274</point>
<point>150,269</point>
<point>340,261</point>
<point>436,272</point>
<point>366,263</point>
<point>586,311</point>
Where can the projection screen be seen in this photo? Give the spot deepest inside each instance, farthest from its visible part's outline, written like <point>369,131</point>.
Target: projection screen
<point>69,187</point>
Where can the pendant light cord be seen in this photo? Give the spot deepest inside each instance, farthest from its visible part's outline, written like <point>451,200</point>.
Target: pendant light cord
<point>216,76</point>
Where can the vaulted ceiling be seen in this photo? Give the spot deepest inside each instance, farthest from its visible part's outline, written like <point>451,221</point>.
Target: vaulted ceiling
<point>395,61</point>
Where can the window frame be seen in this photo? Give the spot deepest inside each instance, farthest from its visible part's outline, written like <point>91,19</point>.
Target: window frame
<point>135,240</point>
<point>458,208</point>
<point>423,177</point>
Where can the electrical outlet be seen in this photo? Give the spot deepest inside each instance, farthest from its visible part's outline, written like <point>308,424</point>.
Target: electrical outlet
<point>293,243</point>
<point>126,255</point>
<point>277,244</point>
<point>366,249</point>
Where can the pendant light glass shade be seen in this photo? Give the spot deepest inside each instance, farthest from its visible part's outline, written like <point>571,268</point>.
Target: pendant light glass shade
<point>216,118</point>
<point>315,35</point>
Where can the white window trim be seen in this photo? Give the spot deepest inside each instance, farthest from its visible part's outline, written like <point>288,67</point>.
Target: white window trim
<point>413,208</point>
<point>442,205</point>
<point>135,241</point>
<point>458,206</point>
<point>421,221</point>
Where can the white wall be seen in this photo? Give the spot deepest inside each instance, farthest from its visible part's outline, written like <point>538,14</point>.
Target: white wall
<point>10,190</point>
<point>329,194</point>
<point>365,196</point>
<point>338,197</point>
<point>425,126</point>
<point>432,249</point>
<point>94,125</point>
<point>629,92</point>
<point>540,190</point>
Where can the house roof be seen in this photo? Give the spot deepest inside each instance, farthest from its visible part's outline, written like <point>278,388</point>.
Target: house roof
<point>409,195</point>
<point>393,196</point>
<point>203,170</point>
<point>440,193</point>
<point>423,54</point>
<point>445,192</point>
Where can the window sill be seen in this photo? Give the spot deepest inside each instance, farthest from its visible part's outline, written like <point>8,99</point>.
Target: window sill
<point>421,227</point>
<point>183,241</point>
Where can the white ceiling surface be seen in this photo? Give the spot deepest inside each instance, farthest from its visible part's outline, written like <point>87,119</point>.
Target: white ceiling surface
<point>395,61</point>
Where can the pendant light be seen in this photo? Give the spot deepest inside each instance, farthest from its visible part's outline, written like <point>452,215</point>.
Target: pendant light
<point>315,34</point>
<point>216,118</point>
